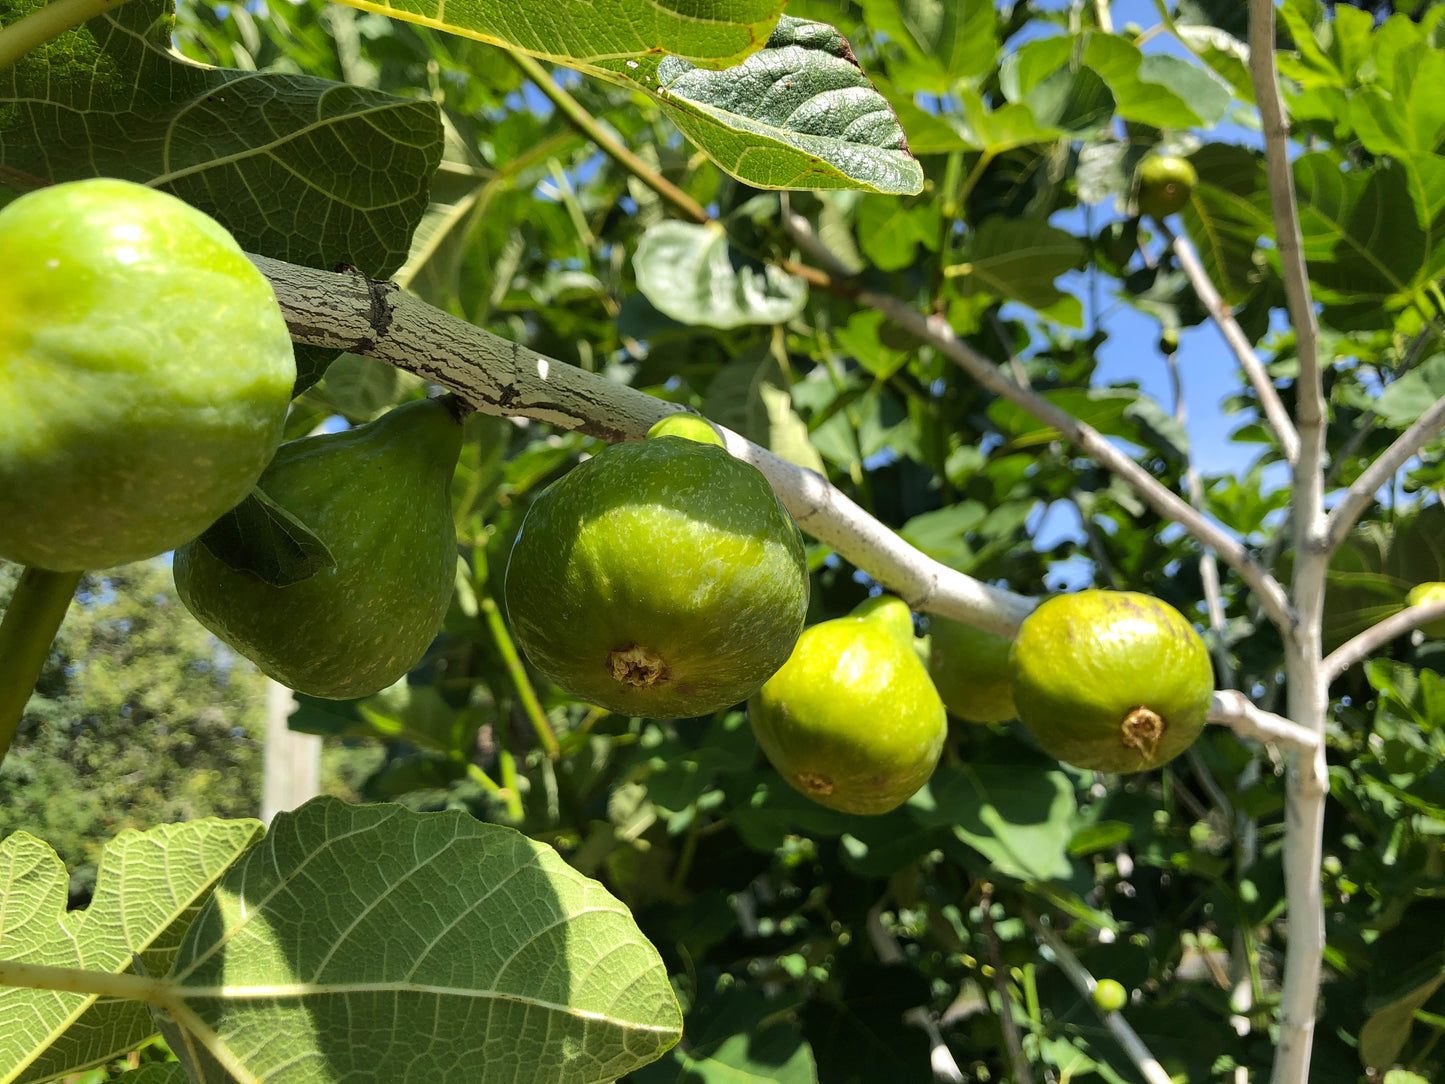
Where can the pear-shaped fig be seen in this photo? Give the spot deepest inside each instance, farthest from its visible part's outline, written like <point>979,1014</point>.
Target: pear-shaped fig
<point>852,719</point>
<point>379,497</point>
<point>1114,681</point>
<point>969,667</point>
<point>660,578</point>
<point>145,370</point>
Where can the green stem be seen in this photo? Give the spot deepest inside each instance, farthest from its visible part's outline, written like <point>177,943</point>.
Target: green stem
<point>30,623</point>
<point>689,851</point>
<point>513,662</point>
<point>46,24</point>
<point>508,765</point>
<point>76,980</point>
<point>588,125</point>
<point>482,779</point>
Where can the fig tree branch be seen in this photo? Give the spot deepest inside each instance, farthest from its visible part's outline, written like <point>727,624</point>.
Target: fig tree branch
<point>1378,474</point>
<point>1282,205</point>
<point>936,332</point>
<point>347,311</point>
<point>1308,691</point>
<point>1365,644</point>
<point>1233,709</point>
<point>1264,388</point>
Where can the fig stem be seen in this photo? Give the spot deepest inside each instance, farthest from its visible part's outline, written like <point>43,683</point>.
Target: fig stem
<point>31,621</point>
<point>531,706</point>
<point>46,24</point>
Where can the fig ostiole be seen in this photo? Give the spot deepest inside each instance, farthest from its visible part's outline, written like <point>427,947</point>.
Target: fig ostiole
<point>852,719</point>
<point>379,497</point>
<point>660,578</point>
<point>1114,681</point>
<point>145,372</point>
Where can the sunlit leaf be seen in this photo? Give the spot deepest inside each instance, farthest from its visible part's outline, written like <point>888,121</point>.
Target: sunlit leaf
<point>147,891</point>
<point>358,936</point>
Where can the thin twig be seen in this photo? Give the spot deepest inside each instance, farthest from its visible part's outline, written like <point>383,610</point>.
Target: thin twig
<point>1012,1039</point>
<point>531,706</point>
<point>1378,474</point>
<point>1264,388</point>
<point>1147,1064</point>
<point>589,126</point>
<point>1363,645</point>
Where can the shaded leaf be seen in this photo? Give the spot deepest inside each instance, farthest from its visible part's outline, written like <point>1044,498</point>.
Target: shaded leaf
<point>1017,259</point>
<point>1413,394</point>
<point>297,168</point>
<point>260,537</point>
<point>1018,816</point>
<point>944,40</point>
<point>1387,1030</point>
<point>687,272</point>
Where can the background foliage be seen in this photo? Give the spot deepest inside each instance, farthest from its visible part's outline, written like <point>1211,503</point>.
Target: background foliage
<point>802,942</point>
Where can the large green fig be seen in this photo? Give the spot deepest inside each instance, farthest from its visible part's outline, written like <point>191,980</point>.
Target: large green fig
<point>852,719</point>
<point>145,370</point>
<point>660,578</point>
<point>1115,681</point>
<point>969,667</point>
<point>379,497</point>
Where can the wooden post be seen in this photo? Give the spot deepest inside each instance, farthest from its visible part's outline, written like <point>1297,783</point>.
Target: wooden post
<point>293,761</point>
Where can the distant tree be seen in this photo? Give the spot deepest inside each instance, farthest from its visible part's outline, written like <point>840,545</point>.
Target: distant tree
<point>140,718</point>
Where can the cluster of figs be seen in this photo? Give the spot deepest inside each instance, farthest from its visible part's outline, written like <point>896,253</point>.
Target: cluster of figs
<point>145,374</point>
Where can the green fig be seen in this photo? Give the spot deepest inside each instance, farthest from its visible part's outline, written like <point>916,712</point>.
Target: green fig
<point>852,719</point>
<point>379,497</point>
<point>1428,592</point>
<point>145,371</point>
<point>688,426</point>
<point>1110,995</point>
<point>969,667</point>
<point>1166,182</point>
<point>1114,681</point>
<point>660,578</point>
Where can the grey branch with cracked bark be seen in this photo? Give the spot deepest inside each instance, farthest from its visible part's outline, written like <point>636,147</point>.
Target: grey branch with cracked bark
<point>347,311</point>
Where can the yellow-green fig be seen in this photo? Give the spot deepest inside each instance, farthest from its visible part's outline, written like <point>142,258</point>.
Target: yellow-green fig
<point>145,371</point>
<point>1166,182</point>
<point>1429,592</point>
<point>852,719</point>
<point>661,578</point>
<point>969,667</point>
<point>379,497</point>
<point>1114,681</point>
